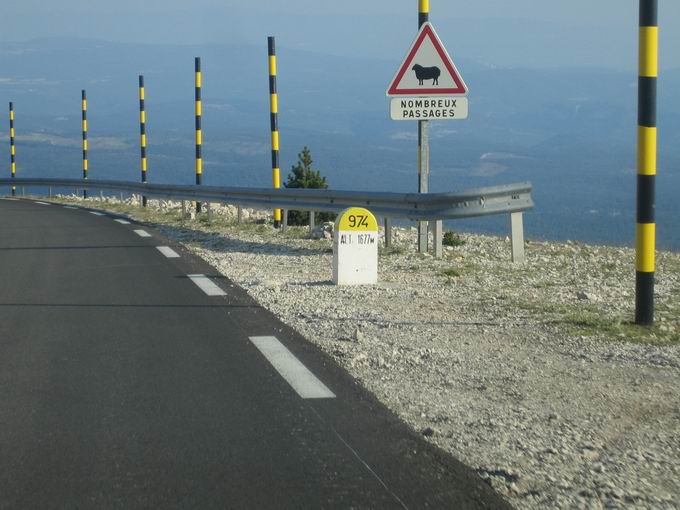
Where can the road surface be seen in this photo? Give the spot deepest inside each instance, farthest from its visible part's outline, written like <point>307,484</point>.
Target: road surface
<point>133,376</point>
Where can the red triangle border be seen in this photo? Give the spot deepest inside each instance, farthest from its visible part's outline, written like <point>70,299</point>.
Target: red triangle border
<point>427,31</point>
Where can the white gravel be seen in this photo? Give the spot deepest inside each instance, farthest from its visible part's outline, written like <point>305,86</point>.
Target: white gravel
<point>531,374</point>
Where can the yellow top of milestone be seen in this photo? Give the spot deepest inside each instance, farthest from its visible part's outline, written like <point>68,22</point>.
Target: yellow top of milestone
<point>357,219</point>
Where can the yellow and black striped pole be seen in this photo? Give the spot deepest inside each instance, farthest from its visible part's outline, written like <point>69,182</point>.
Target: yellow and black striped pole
<point>142,132</point>
<point>274,116</point>
<point>199,136</point>
<point>423,12</point>
<point>12,148</point>
<point>85,144</point>
<point>646,164</point>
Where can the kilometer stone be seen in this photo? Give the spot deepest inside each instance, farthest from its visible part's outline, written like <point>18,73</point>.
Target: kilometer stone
<point>355,248</point>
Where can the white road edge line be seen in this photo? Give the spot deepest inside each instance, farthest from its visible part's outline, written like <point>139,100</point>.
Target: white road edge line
<point>142,233</point>
<point>69,207</point>
<point>97,213</point>
<point>290,368</point>
<point>122,222</point>
<point>41,203</point>
<point>168,252</point>
<point>206,285</point>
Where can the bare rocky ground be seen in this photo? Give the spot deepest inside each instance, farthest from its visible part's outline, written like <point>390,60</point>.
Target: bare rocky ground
<point>530,373</point>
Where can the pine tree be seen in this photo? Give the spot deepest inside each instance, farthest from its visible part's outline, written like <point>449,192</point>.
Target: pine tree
<point>304,176</point>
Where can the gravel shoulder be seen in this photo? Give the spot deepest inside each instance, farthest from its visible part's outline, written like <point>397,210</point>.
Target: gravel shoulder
<point>530,373</point>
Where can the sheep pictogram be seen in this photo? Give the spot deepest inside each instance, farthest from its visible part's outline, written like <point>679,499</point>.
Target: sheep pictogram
<point>427,73</point>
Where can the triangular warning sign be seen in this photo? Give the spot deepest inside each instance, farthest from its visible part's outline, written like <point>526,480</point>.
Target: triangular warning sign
<point>427,70</point>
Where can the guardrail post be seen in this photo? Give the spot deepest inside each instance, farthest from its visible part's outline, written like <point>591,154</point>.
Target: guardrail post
<point>284,219</point>
<point>388,232</point>
<point>437,234</point>
<point>49,191</point>
<point>312,225</point>
<point>517,237</point>
<point>239,215</point>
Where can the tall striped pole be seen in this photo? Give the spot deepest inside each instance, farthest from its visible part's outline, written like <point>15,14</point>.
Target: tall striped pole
<point>12,148</point>
<point>85,144</point>
<point>274,120</point>
<point>646,164</point>
<point>199,137</point>
<point>142,133</point>
<point>423,142</point>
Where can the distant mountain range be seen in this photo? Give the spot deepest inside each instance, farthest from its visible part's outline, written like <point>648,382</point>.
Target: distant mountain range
<point>570,132</point>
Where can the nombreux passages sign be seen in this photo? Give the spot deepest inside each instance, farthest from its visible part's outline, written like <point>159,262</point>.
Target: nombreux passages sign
<point>427,70</point>
<point>420,108</point>
<point>427,85</point>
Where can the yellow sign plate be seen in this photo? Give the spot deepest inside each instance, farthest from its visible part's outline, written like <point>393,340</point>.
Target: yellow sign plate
<point>357,219</point>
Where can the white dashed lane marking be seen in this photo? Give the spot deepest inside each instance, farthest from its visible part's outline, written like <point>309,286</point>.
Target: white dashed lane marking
<point>142,233</point>
<point>42,203</point>
<point>168,252</point>
<point>290,368</point>
<point>69,207</point>
<point>206,285</point>
<point>97,213</point>
<point>122,222</point>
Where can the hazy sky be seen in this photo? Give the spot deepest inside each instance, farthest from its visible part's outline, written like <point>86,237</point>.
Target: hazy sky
<point>534,33</point>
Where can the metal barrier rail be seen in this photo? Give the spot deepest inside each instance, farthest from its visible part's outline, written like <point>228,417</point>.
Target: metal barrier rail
<point>506,199</point>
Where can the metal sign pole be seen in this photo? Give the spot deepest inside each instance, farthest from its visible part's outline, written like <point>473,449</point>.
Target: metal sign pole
<point>646,166</point>
<point>423,142</point>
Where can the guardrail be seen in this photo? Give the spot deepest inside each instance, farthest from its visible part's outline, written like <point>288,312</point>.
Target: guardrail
<point>510,199</point>
<point>413,206</point>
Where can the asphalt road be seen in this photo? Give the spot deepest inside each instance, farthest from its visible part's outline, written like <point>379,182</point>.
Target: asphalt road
<point>124,384</point>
